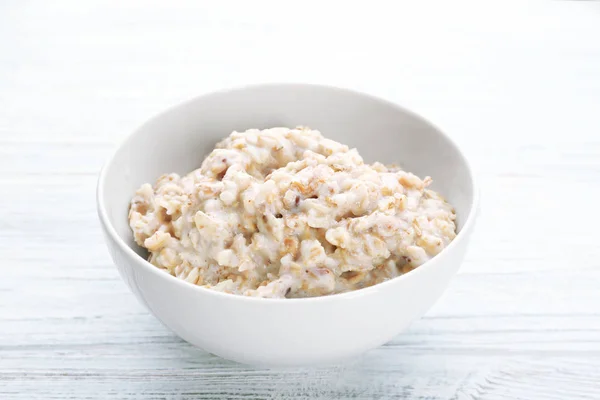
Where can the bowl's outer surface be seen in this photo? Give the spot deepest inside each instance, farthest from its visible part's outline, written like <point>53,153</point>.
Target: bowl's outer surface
<point>289,331</point>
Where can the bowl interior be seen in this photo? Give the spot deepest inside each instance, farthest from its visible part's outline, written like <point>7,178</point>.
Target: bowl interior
<point>179,139</point>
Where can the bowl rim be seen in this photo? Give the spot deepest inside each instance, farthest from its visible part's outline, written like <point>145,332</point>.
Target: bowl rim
<point>110,230</point>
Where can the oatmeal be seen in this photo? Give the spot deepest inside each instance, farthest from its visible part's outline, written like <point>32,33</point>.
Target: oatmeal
<point>289,213</point>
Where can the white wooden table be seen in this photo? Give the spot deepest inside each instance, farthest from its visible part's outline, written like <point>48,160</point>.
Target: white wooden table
<point>517,85</point>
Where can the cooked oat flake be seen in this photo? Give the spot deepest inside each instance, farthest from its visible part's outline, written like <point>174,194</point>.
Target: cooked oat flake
<point>289,213</point>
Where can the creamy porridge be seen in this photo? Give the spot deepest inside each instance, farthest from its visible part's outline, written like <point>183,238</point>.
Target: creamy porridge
<point>289,213</point>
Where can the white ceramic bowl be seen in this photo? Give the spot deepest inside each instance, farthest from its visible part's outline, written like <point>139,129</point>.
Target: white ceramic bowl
<point>284,331</point>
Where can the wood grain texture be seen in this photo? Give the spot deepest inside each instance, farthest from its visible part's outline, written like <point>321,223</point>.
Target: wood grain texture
<point>518,86</point>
